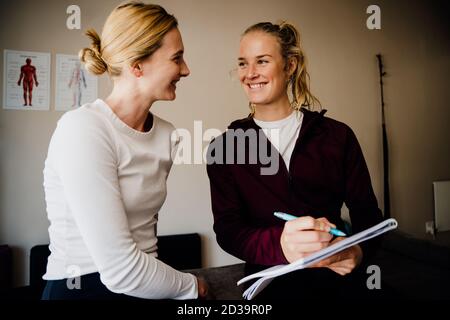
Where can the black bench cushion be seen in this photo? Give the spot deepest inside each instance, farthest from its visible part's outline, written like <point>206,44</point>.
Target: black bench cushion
<point>180,251</point>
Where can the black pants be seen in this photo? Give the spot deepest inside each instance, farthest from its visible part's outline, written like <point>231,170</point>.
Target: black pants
<point>91,288</point>
<point>320,283</point>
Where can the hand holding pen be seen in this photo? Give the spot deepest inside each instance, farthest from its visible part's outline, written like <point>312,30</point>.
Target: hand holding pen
<point>293,247</point>
<point>304,236</point>
<point>289,217</point>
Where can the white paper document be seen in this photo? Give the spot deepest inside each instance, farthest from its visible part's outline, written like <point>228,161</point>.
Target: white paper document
<point>267,275</point>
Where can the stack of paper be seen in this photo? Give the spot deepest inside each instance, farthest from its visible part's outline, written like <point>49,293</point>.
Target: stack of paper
<point>267,275</point>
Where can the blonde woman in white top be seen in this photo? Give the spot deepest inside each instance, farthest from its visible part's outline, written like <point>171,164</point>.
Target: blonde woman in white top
<point>107,165</point>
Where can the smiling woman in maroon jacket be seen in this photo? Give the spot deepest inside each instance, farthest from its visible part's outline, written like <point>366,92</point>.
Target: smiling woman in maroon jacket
<point>319,166</point>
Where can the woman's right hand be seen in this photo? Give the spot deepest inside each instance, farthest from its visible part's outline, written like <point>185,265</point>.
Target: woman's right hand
<point>202,288</point>
<point>304,236</point>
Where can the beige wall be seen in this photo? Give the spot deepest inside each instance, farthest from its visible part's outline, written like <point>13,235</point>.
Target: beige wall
<point>341,50</point>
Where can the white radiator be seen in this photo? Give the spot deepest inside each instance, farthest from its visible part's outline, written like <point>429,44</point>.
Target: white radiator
<point>441,191</point>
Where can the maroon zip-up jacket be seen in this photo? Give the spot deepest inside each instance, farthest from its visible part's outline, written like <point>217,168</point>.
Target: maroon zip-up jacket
<point>327,168</point>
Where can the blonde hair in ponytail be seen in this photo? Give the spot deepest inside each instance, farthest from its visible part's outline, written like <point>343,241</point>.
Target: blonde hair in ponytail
<point>132,32</point>
<point>289,39</point>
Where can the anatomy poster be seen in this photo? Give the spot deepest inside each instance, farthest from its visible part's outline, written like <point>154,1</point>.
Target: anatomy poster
<point>75,86</point>
<point>26,80</point>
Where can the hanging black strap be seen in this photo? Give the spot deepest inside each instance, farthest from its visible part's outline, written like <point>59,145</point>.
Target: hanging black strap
<point>387,200</point>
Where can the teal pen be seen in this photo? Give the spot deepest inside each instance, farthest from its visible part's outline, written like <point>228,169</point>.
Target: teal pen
<point>288,217</point>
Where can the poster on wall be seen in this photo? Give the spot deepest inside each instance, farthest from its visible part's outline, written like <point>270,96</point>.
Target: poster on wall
<point>75,86</point>
<point>26,80</point>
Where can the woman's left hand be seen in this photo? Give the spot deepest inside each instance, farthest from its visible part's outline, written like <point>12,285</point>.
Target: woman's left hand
<point>342,262</point>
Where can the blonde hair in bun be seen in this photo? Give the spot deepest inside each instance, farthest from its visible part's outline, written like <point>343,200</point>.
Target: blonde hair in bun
<point>91,57</point>
<point>132,32</point>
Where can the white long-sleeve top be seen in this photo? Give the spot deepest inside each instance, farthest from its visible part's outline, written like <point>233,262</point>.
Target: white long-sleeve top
<point>104,185</point>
